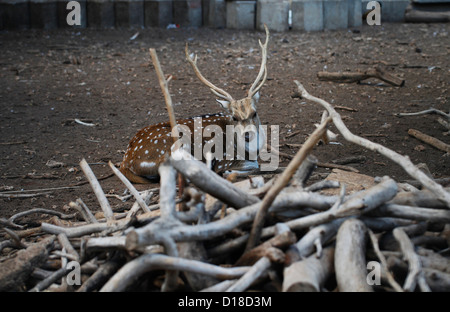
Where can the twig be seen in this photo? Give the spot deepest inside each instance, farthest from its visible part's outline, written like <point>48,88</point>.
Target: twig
<point>104,204</point>
<point>427,111</point>
<point>84,229</point>
<point>44,284</point>
<point>86,213</point>
<point>383,261</point>
<point>209,182</point>
<point>100,276</point>
<point>65,243</point>
<point>414,213</point>
<point>130,187</point>
<point>403,161</point>
<point>41,190</point>
<point>145,263</point>
<point>78,121</point>
<point>23,195</point>
<point>415,274</point>
<point>256,271</point>
<point>342,167</point>
<point>348,77</point>
<point>146,196</point>
<point>43,211</point>
<point>280,241</point>
<point>282,181</point>
<point>429,140</point>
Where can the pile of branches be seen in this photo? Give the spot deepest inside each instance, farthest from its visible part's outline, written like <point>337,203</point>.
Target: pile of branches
<point>284,234</point>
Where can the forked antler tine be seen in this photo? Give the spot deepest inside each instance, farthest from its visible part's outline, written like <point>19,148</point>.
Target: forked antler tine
<point>214,89</point>
<point>263,69</point>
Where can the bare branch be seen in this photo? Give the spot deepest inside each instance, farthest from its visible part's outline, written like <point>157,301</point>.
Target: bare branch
<point>403,161</point>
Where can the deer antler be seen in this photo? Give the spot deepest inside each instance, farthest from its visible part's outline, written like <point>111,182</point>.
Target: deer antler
<point>263,69</point>
<point>214,89</point>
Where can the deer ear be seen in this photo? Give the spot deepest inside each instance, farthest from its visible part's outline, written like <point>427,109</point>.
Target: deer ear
<point>225,104</point>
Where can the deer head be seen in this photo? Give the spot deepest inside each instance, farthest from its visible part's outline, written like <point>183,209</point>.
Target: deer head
<point>243,112</point>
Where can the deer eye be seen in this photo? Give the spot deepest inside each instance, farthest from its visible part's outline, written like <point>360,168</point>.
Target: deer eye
<point>234,118</point>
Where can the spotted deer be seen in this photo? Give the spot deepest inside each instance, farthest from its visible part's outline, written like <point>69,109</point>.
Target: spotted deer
<point>151,145</point>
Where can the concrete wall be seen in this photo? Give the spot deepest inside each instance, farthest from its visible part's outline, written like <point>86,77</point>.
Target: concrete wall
<point>308,15</point>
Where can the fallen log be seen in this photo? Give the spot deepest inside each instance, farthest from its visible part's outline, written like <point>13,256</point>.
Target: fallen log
<point>349,258</point>
<point>15,271</point>
<point>436,143</point>
<point>358,76</point>
<point>309,274</point>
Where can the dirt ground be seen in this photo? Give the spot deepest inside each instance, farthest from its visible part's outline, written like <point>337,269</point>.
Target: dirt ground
<point>49,78</point>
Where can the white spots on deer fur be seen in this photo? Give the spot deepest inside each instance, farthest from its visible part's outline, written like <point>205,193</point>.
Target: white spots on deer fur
<point>146,152</point>
<point>156,141</point>
<point>163,152</point>
<point>147,164</point>
<point>140,141</point>
<point>135,149</point>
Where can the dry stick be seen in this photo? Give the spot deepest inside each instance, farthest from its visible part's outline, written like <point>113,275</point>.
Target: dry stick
<point>43,211</point>
<point>349,257</point>
<point>357,204</point>
<point>414,213</point>
<point>359,75</point>
<point>282,181</point>
<point>84,229</point>
<point>146,196</point>
<point>280,241</point>
<point>130,187</point>
<point>415,274</point>
<point>403,161</point>
<point>101,275</point>
<point>147,262</point>
<point>65,243</point>
<point>44,284</point>
<point>167,208</point>
<point>309,274</point>
<point>257,270</point>
<point>320,234</point>
<point>429,140</point>
<point>164,84</point>
<point>150,233</point>
<point>383,261</point>
<point>165,89</point>
<point>86,213</point>
<point>427,111</point>
<point>104,204</point>
<point>23,195</point>
<point>209,182</point>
